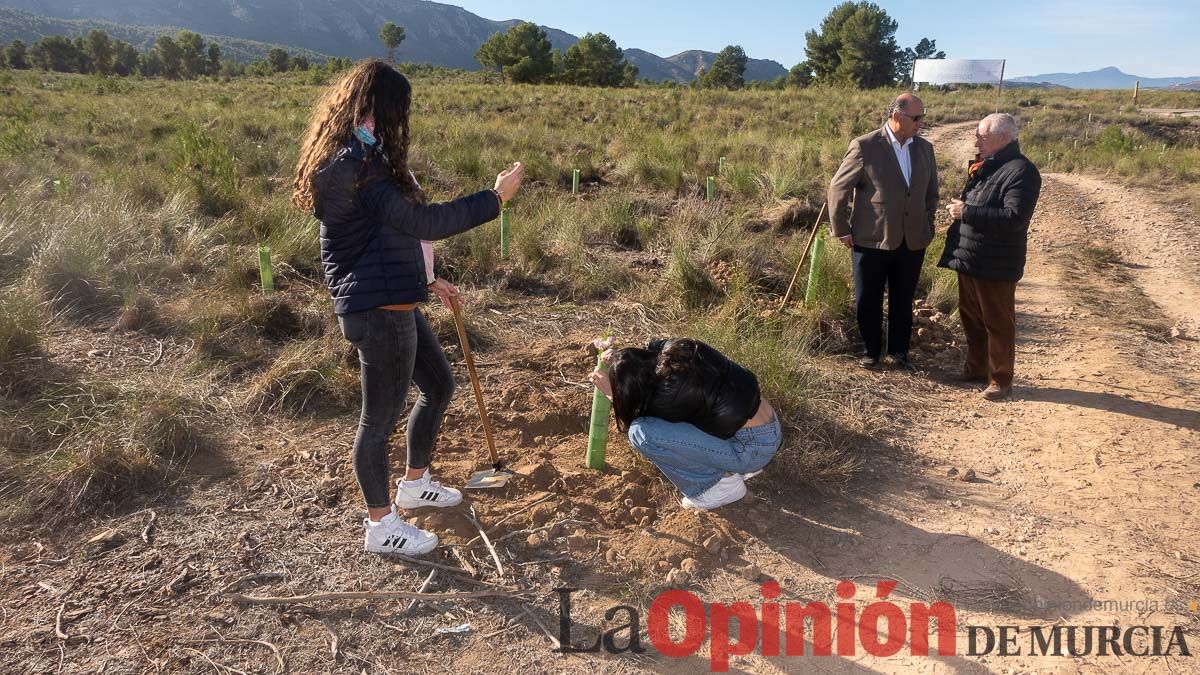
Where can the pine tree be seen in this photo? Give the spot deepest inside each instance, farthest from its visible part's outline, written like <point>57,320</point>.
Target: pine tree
<point>100,51</point>
<point>392,35</point>
<point>856,46</point>
<point>728,70</point>
<point>596,61</point>
<point>522,54</point>
<point>16,55</point>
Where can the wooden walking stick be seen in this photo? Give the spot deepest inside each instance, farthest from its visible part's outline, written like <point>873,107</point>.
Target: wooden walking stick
<point>813,237</point>
<point>497,477</point>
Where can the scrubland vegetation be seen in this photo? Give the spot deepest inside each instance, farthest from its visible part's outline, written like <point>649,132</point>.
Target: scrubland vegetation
<point>138,205</point>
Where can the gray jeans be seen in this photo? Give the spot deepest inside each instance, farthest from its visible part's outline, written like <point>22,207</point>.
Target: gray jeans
<point>395,348</point>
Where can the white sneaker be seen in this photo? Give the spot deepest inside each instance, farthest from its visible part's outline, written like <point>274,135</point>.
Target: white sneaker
<point>393,535</point>
<point>728,490</point>
<point>413,494</point>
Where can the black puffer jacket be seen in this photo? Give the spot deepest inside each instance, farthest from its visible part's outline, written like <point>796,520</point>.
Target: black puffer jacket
<point>371,233</point>
<point>999,199</point>
<point>719,400</point>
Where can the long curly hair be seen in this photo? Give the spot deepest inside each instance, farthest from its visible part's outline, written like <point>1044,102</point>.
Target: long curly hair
<point>371,88</point>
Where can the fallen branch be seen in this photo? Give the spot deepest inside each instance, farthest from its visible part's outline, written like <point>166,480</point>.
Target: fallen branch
<point>366,595</point>
<point>58,630</point>
<point>268,645</point>
<point>511,515</point>
<point>156,359</point>
<point>237,583</point>
<point>517,533</point>
<point>553,640</point>
<point>468,567</point>
<point>148,530</point>
<point>424,587</point>
<point>487,542</point>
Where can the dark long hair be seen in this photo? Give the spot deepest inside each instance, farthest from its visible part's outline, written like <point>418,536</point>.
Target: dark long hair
<point>370,88</point>
<point>635,373</point>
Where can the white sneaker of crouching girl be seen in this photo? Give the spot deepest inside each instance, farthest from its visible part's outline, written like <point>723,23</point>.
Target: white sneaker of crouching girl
<point>727,490</point>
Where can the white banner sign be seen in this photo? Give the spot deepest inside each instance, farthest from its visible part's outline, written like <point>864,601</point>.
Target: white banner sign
<point>958,71</point>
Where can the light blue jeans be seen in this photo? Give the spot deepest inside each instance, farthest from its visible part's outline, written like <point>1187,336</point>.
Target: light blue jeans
<point>694,460</point>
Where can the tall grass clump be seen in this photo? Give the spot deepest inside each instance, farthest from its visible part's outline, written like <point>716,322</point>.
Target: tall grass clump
<point>92,445</point>
<point>21,321</point>
<point>816,451</point>
<point>307,376</point>
<point>208,166</point>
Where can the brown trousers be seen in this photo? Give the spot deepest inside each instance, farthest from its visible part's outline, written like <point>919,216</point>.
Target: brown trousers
<point>989,318</point>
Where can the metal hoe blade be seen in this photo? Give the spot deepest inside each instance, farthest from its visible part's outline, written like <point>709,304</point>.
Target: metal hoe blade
<point>490,478</point>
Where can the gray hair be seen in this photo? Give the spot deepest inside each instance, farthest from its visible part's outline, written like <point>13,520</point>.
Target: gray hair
<point>1001,124</point>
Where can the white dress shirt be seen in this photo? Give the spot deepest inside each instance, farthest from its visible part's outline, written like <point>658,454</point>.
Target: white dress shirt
<point>902,155</point>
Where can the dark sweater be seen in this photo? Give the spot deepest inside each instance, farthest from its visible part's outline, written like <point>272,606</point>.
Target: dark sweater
<point>371,233</point>
<point>999,199</point>
<point>718,401</point>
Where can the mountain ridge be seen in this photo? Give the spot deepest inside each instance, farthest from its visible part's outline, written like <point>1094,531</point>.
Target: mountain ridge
<point>16,24</point>
<point>436,33</point>
<point>1109,77</point>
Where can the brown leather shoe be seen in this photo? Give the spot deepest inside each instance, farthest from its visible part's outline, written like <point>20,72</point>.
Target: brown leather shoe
<point>995,392</point>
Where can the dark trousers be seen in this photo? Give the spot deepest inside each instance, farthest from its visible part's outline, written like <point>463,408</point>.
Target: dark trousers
<point>989,317</point>
<point>395,348</point>
<point>898,271</point>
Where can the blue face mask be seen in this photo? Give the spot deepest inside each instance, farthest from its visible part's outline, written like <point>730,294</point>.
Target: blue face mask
<point>365,136</point>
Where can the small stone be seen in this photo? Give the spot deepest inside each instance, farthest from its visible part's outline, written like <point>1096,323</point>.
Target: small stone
<point>639,513</point>
<point>104,537</point>
<point>662,565</point>
<point>750,572</point>
<point>611,557</point>
<point>967,476</point>
<point>534,539</point>
<point>952,472</point>
<point>957,503</point>
<point>677,578</point>
<point>577,542</point>
<point>713,544</point>
<point>690,565</point>
<point>629,503</point>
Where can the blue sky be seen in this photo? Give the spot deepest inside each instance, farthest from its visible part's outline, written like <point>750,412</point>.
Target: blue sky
<point>1154,38</point>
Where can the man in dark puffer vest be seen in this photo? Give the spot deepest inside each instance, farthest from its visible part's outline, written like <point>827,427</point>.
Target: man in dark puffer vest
<point>986,245</point>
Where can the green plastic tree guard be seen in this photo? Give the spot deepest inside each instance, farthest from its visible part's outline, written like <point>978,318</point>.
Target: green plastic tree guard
<point>710,188</point>
<point>598,430</point>
<point>575,183</point>
<point>814,268</point>
<point>504,233</point>
<point>264,269</point>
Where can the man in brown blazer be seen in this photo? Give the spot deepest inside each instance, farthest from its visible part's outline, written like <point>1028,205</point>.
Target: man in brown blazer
<point>881,205</point>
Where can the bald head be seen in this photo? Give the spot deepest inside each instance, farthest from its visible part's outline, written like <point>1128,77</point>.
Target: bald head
<point>905,114</point>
